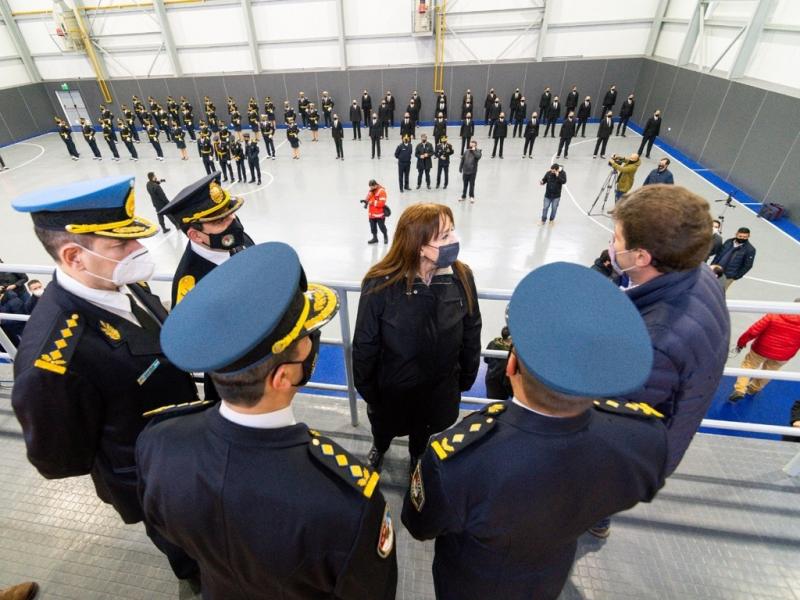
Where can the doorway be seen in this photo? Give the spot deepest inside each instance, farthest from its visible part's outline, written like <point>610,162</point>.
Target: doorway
<point>72,104</point>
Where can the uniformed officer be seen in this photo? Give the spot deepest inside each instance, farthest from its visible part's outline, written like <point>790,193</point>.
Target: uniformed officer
<point>270,508</point>
<point>88,134</point>
<point>223,153</point>
<point>152,135</point>
<point>65,132</point>
<point>403,154</point>
<point>508,491</point>
<point>206,150</point>
<point>267,128</point>
<point>110,138</point>
<point>444,150</point>
<point>179,137</point>
<point>126,133</point>
<point>90,362</point>
<point>302,108</point>
<point>251,152</point>
<point>188,122</point>
<point>237,154</point>
<point>327,108</point>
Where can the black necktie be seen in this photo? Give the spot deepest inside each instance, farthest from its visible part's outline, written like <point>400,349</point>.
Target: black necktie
<point>144,318</point>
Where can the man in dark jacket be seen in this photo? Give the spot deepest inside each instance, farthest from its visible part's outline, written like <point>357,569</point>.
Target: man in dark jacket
<point>736,256</point>
<point>467,131</point>
<point>157,197</point>
<point>488,103</point>
<point>609,100</point>
<point>716,241</point>
<point>499,134</point>
<point>403,154</point>
<point>604,130</point>
<point>468,167</point>
<point>566,134</point>
<point>554,179</point>
<point>518,116</point>
<point>444,150</point>
<point>366,107</point>
<point>531,133</point>
<point>650,133</point>
<point>544,102</point>
<point>553,114</point>
<point>494,114</point>
<point>424,154</point>
<point>572,99</point>
<point>337,133</point>
<point>584,112</point>
<point>385,116</point>
<point>508,491</point>
<point>408,127</point>
<point>661,174</point>
<point>11,303</point>
<point>498,387</point>
<point>375,134</point>
<point>625,113</point>
<point>355,119</point>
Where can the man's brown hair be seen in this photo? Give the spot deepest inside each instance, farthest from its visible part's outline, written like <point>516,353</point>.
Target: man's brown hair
<point>672,223</point>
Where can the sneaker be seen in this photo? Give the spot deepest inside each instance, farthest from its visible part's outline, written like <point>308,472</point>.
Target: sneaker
<point>600,532</point>
<point>375,458</point>
<point>735,397</point>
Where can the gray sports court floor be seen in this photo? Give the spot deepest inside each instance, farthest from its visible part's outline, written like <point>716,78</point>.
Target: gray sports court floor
<point>727,525</point>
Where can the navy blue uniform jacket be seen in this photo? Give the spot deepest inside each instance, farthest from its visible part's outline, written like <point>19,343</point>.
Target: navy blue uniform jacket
<point>264,512</point>
<point>507,508</point>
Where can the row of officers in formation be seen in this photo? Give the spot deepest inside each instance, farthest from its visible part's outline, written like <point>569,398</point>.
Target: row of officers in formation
<point>178,120</point>
<point>249,503</point>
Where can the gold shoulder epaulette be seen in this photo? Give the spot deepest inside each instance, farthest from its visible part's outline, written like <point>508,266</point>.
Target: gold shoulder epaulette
<point>470,429</point>
<point>185,285</point>
<point>631,409</point>
<point>175,410</point>
<point>60,345</point>
<point>345,465</point>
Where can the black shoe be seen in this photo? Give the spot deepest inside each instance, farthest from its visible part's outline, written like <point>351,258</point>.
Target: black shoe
<point>251,181</point>
<point>385,240</point>
<point>373,241</point>
<point>259,182</point>
<point>375,458</point>
<point>735,397</point>
<point>600,532</point>
<point>429,187</point>
<point>418,186</point>
<point>408,188</point>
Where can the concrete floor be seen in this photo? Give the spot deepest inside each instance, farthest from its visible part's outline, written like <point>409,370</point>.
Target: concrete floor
<point>313,205</point>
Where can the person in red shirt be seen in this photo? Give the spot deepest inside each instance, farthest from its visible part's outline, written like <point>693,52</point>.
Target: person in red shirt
<point>375,204</point>
<point>777,340</point>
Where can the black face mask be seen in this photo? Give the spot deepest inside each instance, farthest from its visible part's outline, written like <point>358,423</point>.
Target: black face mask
<point>232,237</point>
<point>309,363</point>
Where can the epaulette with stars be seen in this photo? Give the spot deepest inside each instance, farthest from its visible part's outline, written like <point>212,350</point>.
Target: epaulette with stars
<point>60,345</point>
<point>345,465</point>
<point>471,428</point>
<point>630,409</point>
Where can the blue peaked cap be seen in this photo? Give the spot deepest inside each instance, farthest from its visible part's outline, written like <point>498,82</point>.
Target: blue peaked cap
<point>274,307</point>
<point>579,334</point>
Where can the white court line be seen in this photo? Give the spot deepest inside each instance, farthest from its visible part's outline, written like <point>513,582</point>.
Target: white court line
<point>271,176</point>
<point>27,162</point>
<point>772,282</point>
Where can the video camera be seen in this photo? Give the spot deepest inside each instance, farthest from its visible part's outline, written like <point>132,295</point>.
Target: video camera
<point>620,160</point>
<point>363,202</point>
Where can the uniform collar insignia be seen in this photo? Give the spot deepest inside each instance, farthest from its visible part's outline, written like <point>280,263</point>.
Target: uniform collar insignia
<point>110,331</point>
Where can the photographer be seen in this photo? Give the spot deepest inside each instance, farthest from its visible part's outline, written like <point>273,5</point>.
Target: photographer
<point>626,168</point>
<point>157,197</point>
<point>661,174</point>
<point>553,179</point>
<point>375,203</point>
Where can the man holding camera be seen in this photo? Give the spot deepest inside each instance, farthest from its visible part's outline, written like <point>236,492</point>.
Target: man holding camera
<point>157,197</point>
<point>626,169</point>
<point>375,203</point>
<point>553,179</point>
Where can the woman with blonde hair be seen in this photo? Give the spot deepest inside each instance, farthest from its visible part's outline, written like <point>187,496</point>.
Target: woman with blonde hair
<point>417,343</point>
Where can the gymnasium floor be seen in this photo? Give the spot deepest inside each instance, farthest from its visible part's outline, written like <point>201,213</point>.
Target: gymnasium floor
<point>725,526</point>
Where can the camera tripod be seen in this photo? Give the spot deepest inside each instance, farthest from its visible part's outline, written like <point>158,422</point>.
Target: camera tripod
<point>609,184</point>
<point>728,204</point>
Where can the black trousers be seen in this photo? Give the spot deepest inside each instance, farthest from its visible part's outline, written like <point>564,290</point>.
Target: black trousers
<point>605,109</point>
<point>494,150</point>
<point>528,147</point>
<point>225,167</point>
<point>469,182</point>
<point>161,221</point>
<point>132,149</point>
<point>403,169</point>
<point>367,117</point>
<point>208,163</point>
<point>386,129</point>
<point>270,145</point>
<point>492,123</point>
<point>2,163</point>
<point>623,122</point>
<point>304,117</point>
<point>95,149</point>
<point>563,143</point>
<point>157,146</point>
<point>113,147</point>
<point>649,142</point>
<point>427,172</point>
<point>376,145</point>
<point>465,143</point>
<point>255,167</point>
<point>601,145</point>
<point>327,116</point>
<point>134,131</point>
<point>339,148</point>
<point>486,116</point>
<point>241,172</point>
<point>191,134</point>
<point>182,564</point>
<point>551,127</point>
<point>73,151</point>
<point>581,127</point>
<point>356,129</point>
<point>518,129</point>
<point>375,224</point>
<point>444,167</point>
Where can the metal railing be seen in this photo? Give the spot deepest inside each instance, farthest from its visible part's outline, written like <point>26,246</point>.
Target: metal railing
<point>345,287</point>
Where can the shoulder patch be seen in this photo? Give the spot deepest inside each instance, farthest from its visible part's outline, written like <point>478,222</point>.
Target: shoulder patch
<point>176,410</point>
<point>471,428</point>
<point>185,285</point>
<point>345,465</point>
<point>630,409</point>
<point>60,344</point>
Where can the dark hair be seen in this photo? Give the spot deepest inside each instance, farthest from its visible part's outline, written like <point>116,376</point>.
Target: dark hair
<point>666,159</point>
<point>549,398</point>
<point>604,256</point>
<point>53,240</point>
<point>246,387</point>
<point>372,182</point>
<point>743,230</point>
<point>717,222</point>
<point>151,176</point>
<point>505,333</point>
<point>672,223</point>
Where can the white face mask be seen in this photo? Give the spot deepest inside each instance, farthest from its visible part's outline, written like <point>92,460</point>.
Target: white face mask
<point>38,292</point>
<point>130,269</point>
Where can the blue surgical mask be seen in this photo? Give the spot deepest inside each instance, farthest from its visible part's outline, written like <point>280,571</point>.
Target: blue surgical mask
<point>448,254</point>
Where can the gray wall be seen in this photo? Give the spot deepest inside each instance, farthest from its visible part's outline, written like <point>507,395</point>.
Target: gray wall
<point>30,108</point>
<point>748,136</point>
